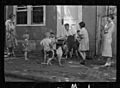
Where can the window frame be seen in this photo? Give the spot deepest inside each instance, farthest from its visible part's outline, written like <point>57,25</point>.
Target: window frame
<point>29,13</point>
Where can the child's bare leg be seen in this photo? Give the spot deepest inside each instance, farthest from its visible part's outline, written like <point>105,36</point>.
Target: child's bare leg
<point>8,52</point>
<point>81,55</point>
<point>13,52</point>
<point>84,55</point>
<point>49,61</point>
<point>26,55</point>
<point>76,53</point>
<point>71,53</point>
<point>59,60</point>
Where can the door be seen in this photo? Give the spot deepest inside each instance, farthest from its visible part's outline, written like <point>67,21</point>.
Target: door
<point>68,14</point>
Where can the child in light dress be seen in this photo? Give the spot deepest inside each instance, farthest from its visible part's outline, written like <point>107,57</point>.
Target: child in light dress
<point>84,46</point>
<point>26,45</point>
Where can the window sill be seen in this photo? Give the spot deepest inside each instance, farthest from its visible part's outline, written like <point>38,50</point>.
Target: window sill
<point>33,25</point>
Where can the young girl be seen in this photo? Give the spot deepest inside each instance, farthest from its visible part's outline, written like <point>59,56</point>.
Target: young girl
<point>84,46</point>
<point>26,45</point>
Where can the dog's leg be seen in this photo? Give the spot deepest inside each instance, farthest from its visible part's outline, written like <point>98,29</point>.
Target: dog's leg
<point>81,55</point>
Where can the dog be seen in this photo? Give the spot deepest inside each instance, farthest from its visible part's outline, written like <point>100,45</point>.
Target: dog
<point>59,54</point>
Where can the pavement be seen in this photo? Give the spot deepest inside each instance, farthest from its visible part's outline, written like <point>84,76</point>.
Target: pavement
<point>71,71</point>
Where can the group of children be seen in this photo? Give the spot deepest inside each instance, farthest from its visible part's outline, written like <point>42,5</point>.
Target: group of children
<point>50,45</point>
<point>51,48</point>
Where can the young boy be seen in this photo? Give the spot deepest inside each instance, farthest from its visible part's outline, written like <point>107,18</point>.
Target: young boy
<point>46,43</point>
<point>76,43</point>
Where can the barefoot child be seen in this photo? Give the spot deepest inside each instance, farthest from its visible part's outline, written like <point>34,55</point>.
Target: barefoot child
<point>26,45</point>
<point>45,43</point>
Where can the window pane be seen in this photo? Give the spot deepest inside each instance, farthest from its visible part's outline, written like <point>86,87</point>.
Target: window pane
<point>37,15</point>
<point>22,17</point>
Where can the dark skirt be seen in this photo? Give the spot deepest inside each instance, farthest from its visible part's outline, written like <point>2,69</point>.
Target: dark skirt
<point>70,42</point>
<point>76,45</point>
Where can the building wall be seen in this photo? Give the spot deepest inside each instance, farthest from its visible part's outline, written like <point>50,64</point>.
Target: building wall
<point>89,17</point>
<point>4,13</point>
<point>37,32</point>
<point>101,11</point>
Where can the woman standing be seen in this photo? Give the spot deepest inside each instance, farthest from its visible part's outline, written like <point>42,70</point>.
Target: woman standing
<point>84,46</point>
<point>11,41</point>
<point>108,31</point>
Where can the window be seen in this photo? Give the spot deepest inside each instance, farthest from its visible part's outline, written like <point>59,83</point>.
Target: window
<point>21,15</point>
<point>30,15</point>
<point>37,15</point>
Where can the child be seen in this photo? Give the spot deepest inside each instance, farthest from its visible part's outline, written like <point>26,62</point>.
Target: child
<point>46,43</point>
<point>84,46</point>
<point>26,45</point>
<point>76,44</point>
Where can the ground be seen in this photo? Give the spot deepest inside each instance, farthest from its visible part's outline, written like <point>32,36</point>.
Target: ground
<point>17,69</point>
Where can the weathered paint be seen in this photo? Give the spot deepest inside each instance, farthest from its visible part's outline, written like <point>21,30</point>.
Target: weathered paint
<point>101,11</point>
<point>89,17</point>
